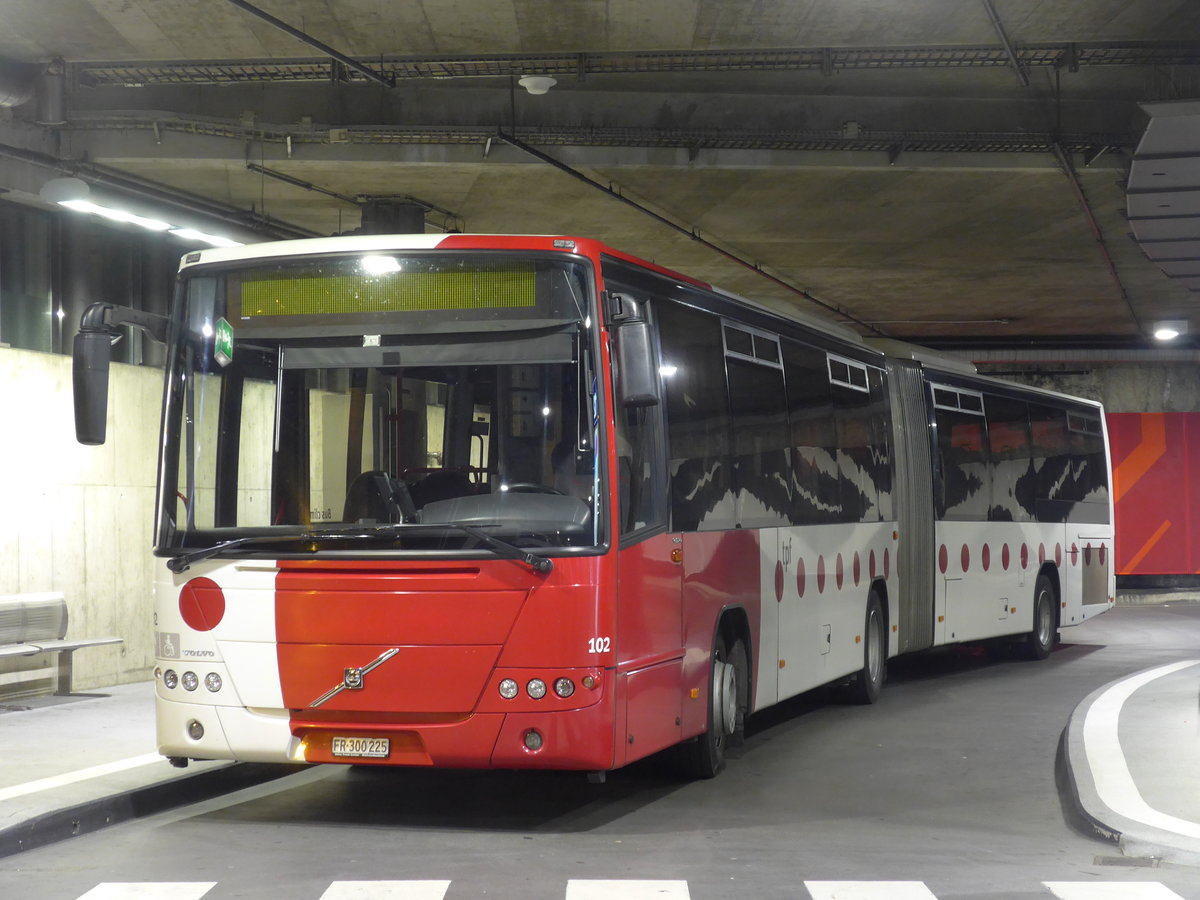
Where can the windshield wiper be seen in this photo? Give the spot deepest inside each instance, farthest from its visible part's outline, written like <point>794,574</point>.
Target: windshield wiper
<point>541,564</point>
<point>183,561</point>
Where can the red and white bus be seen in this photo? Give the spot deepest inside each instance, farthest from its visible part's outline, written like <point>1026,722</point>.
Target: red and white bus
<point>530,502</point>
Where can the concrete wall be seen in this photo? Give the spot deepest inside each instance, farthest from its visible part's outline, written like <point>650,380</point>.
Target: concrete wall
<point>78,519</point>
<point>1121,387</point>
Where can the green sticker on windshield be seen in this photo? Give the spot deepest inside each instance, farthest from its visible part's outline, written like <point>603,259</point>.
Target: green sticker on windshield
<point>223,343</point>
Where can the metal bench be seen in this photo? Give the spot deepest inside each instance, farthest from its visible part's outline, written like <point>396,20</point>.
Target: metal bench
<point>37,623</point>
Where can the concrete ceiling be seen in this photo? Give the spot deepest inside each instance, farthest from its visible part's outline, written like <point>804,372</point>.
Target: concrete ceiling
<point>891,158</point>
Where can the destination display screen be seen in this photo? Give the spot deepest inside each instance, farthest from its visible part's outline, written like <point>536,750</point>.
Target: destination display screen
<point>382,284</point>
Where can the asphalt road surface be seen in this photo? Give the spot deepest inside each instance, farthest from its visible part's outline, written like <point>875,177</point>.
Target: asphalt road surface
<point>946,784</point>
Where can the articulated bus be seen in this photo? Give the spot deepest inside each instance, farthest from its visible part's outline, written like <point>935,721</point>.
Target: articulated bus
<point>530,502</point>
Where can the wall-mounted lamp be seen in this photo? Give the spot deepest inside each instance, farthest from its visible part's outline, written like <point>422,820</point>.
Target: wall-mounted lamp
<point>537,84</point>
<point>75,194</point>
<point>1169,329</point>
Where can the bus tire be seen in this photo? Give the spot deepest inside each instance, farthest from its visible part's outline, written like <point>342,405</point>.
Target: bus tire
<point>1040,641</point>
<point>705,756</point>
<point>867,683</point>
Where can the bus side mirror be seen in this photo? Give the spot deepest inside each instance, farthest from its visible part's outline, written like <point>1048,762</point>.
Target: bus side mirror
<point>637,371</point>
<point>91,358</point>
<point>89,376</point>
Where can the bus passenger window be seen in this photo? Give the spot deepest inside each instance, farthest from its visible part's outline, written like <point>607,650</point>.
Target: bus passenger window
<point>698,419</point>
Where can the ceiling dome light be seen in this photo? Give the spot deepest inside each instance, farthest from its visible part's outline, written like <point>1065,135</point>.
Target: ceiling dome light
<point>1169,330</point>
<point>537,84</point>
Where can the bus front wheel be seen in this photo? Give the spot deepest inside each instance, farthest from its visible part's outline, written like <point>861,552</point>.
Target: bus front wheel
<point>728,686</point>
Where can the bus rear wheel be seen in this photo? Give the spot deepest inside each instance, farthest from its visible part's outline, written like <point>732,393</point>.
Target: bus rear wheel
<point>1040,641</point>
<point>705,756</point>
<point>867,683</point>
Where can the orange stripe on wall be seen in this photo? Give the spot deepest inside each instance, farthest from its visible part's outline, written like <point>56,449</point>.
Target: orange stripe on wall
<point>1142,458</point>
<point>1132,564</point>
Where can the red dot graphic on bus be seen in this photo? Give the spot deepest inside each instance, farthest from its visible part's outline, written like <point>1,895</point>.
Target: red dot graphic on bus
<point>1024,556</point>
<point>1058,555</point>
<point>202,604</point>
<point>1087,554</point>
<point>840,571</point>
<point>1103,553</point>
<point>1041,554</point>
<point>820,574</point>
<point>943,558</point>
<point>800,577</point>
<point>985,557</point>
<point>964,557</point>
<point>857,569</point>
<point>1005,557</point>
<point>778,582</point>
<point>871,564</point>
<point>1074,554</point>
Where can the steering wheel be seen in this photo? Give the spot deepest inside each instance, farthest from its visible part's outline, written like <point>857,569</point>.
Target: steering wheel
<point>532,487</point>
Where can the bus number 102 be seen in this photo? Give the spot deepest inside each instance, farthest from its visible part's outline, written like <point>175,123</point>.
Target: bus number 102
<point>599,645</point>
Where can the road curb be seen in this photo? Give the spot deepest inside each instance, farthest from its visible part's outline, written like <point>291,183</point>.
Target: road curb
<point>93,815</point>
<point>1091,814</point>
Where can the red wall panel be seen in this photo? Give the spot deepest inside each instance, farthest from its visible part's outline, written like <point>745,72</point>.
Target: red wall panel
<point>1156,478</point>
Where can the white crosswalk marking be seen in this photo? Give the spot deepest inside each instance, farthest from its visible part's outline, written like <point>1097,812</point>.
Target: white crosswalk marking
<point>588,889</point>
<point>386,890</point>
<point>149,890</point>
<point>1111,890</point>
<point>869,890</point>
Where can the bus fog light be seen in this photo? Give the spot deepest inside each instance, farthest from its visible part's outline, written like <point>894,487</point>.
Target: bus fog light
<point>191,681</point>
<point>195,730</point>
<point>536,689</point>
<point>533,740</point>
<point>589,682</point>
<point>564,687</point>
<point>170,679</point>
<point>509,688</point>
<point>212,681</point>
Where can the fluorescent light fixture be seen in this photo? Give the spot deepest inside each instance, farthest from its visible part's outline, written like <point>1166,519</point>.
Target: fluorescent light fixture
<point>115,215</point>
<point>214,240</point>
<point>75,194</point>
<point>379,265</point>
<point>667,370</point>
<point>1169,329</point>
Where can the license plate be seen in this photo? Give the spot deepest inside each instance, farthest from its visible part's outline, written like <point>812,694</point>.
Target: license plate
<point>373,748</point>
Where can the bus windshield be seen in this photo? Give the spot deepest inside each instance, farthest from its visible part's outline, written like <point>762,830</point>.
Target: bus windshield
<point>388,403</point>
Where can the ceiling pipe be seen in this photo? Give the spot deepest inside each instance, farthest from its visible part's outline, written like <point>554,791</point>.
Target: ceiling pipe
<point>1068,168</point>
<point>690,233</point>
<point>180,200</point>
<point>299,35</point>
<point>1022,75</point>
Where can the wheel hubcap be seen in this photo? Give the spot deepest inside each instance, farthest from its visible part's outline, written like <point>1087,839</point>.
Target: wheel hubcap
<point>1044,619</point>
<point>724,697</point>
<point>874,654</point>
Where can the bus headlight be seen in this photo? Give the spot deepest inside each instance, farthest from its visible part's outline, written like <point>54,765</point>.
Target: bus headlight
<point>509,688</point>
<point>212,681</point>
<point>190,681</point>
<point>564,687</point>
<point>536,688</point>
<point>170,679</point>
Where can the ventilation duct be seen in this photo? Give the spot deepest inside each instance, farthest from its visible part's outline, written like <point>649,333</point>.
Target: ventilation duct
<point>381,216</point>
<point>1163,196</point>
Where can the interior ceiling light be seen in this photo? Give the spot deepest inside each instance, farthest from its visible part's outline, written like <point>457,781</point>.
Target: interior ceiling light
<point>75,194</point>
<point>537,84</point>
<point>1169,329</point>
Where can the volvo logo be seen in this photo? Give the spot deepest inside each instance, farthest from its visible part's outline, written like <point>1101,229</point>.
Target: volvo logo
<point>353,677</point>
